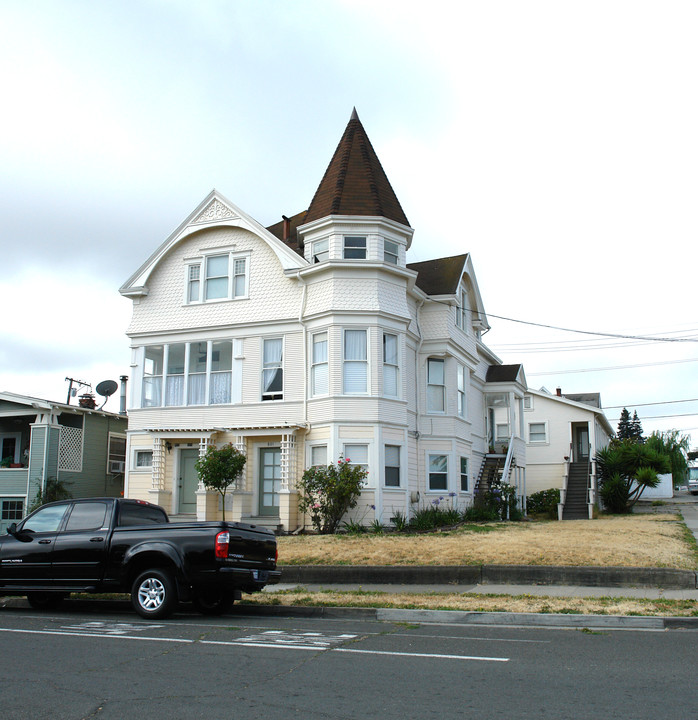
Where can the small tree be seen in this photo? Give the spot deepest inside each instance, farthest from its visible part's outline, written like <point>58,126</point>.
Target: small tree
<point>676,447</point>
<point>624,425</point>
<point>328,492</point>
<point>636,428</point>
<point>219,468</point>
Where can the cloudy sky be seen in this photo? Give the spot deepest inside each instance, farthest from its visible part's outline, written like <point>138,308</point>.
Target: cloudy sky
<point>554,141</point>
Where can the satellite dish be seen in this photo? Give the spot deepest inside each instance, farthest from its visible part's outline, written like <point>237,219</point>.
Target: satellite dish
<point>107,388</point>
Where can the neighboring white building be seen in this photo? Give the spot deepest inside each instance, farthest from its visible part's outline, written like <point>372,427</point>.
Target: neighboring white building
<point>563,435</point>
<point>310,340</point>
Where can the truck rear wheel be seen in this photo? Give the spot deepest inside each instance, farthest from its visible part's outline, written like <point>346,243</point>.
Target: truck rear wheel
<point>213,601</point>
<point>153,594</point>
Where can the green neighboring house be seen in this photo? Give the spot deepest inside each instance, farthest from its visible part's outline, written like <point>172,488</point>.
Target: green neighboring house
<point>83,447</point>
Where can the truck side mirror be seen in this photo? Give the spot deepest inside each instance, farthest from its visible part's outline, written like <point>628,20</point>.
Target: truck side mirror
<point>12,529</point>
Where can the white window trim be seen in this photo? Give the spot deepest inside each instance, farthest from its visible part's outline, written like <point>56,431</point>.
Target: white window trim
<point>462,309</point>
<point>530,404</point>
<point>135,467</point>
<point>441,385</point>
<point>387,253</point>
<point>545,441</point>
<point>314,250</point>
<point>449,465</point>
<point>395,365</point>
<point>201,263</point>
<point>469,491</point>
<point>262,368</point>
<point>400,485</point>
<point>18,441</point>
<point>110,463</point>
<point>314,365</point>
<point>365,361</point>
<point>461,392</point>
<point>345,248</point>
<point>370,480</point>
<point>309,459</point>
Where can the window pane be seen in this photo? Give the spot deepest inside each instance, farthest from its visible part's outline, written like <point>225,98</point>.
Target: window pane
<point>318,455</point>
<point>144,458</point>
<point>87,516</point>
<point>438,463</point>
<point>392,455</point>
<point>356,454</point>
<point>47,519</point>
<point>153,360</point>
<point>355,377</point>
<point>354,248</point>
<point>390,380</point>
<point>436,372</point>
<point>320,380</point>
<point>217,288</point>
<point>320,348</point>
<point>435,398</point>
<point>217,266</point>
<point>321,251</point>
<point>175,359</point>
<point>390,251</point>
<point>220,388</point>
<point>197,389</point>
<point>355,345</point>
<point>390,349</point>
<point>222,355</point>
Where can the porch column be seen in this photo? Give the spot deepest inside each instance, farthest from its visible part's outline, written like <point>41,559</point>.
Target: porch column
<point>157,493</point>
<point>288,497</point>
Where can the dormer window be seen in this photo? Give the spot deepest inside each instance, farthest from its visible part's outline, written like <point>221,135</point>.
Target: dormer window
<point>462,310</point>
<point>321,250</point>
<point>391,252</point>
<point>354,247</point>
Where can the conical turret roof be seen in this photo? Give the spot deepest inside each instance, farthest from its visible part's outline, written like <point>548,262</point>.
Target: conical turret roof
<point>355,182</point>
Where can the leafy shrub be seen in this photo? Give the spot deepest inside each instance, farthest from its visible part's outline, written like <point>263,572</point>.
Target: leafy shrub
<point>328,492</point>
<point>399,520</point>
<point>544,502</point>
<point>439,513</point>
<point>480,513</point>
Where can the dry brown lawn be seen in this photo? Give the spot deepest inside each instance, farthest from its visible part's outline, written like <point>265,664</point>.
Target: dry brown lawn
<point>657,540</point>
<point>471,602</point>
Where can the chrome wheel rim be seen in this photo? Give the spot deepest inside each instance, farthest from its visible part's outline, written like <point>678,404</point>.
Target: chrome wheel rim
<point>151,594</point>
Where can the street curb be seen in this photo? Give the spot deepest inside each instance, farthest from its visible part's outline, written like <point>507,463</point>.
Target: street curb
<point>666,578</point>
<point>459,617</point>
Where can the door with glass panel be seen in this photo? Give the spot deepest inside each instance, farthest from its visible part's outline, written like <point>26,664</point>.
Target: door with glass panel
<point>188,481</point>
<point>269,481</point>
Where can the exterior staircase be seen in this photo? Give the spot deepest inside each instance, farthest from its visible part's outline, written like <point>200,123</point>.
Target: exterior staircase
<point>575,507</point>
<point>490,470</point>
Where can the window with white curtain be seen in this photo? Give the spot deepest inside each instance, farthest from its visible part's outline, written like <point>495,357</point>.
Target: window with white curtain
<point>436,389</point>
<point>196,385</point>
<point>272,369</point>
<point>152,376</point>
<point>221,372</point>
<point>355,370</point>
<point>197,373</point>
<point>390,365</point>
<point>319,378</point>
<point>174,381</point>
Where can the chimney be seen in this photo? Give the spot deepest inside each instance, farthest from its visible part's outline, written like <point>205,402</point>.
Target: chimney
<point>87,401</point>
<point>558,392</point>
<point>287,227</point>
<point>122,397</point>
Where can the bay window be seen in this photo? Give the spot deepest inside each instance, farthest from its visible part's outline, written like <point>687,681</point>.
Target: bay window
<point>436,389</point>
<point>354,248</point>
<point>355,366</point>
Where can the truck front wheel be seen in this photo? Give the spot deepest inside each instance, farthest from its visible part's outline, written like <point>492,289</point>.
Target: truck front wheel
<point>153,594</point>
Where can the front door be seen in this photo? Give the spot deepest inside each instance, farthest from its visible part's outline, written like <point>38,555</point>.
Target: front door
<point>188,482</point>
<point>269,481</point>
<point>581,443</point>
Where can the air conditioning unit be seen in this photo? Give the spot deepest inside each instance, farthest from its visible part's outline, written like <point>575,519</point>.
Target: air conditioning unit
<point>117,466</point>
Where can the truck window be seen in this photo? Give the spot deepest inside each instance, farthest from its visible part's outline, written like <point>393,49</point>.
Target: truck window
<point>46,519</point>
<point>87,516</point>
<point>133,514</point>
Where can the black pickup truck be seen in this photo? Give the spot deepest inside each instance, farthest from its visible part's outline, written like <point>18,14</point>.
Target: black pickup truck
<point>101,545</point>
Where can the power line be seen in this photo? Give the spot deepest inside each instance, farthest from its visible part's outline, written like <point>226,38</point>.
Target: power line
<point>590,332</point>
<point>636,405</point>
<point>612,367</point>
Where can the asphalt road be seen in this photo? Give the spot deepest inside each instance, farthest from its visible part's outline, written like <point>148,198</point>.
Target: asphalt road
<point>114,666</point>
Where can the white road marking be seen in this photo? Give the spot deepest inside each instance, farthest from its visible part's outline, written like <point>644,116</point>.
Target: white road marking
<point>421,655</point>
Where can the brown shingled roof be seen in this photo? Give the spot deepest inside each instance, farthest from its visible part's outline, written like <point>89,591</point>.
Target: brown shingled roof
<point>355,182</point>
<point>502,373</point>
<point>294,221</point>
<point>441,276</point>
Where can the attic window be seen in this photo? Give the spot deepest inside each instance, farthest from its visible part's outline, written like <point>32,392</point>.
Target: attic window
<point>391,252</point>
<point>217,277</point>
<point>354,247</point>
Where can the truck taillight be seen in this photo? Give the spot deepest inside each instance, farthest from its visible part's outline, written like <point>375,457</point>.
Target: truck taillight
<point>222,540</point>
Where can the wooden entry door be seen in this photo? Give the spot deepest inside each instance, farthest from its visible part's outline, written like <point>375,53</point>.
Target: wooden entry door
<point>188,482</point>
<point>269,481</point>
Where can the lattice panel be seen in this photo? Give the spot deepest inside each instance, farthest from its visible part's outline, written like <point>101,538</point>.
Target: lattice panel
<point>70,449</point>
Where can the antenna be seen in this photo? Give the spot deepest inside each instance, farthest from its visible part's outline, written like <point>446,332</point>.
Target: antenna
<point>106,389</point>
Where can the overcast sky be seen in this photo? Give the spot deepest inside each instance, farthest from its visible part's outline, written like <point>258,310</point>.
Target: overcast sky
<point>554,141</point>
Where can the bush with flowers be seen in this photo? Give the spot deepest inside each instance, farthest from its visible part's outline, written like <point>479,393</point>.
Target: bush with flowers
<point>328,492</point>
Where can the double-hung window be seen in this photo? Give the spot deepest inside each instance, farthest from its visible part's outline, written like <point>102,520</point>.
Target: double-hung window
<point>537,432</point>
<point>355,366</point>
<point>354,247</point>
<point>390,365</point>
<point>436,389</point>
<point>356,455</point>
<point>438,472</point>
<point>272,370</point>
<point>318,455</point>
<point>196,390</point>
<point>319,378</point>
<point>461,391</point>
<point>391,252</point>
<point>392,466</point>
<point>464,474</point>
<point>217,277</point>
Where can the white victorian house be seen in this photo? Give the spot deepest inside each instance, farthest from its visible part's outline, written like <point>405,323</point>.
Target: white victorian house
<point>563,435</point>
<point>310,340</point>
